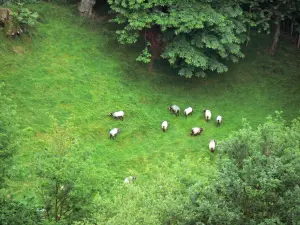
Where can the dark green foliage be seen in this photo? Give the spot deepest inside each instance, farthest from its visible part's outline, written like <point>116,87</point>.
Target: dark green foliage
<point>194,36</point>
<point>259,179</point>
<point>25,17</point>
<point>15,213</point>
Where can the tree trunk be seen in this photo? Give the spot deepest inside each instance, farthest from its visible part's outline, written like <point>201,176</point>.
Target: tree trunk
<point>86,7</point>
<point>298,43</point>
<point>276,35</point>
<point>292,29</point>
<point>150,65</point>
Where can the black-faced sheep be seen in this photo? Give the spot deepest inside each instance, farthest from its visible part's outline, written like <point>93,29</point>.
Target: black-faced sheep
<point>175,109</point>
<point>129,179</point>
<point>219,120</point>
<point>113,133</point>
<point>188,111</point>
<point>118,115</point>
<point>196,131</point>
<point>164,126</point>
<point>212,145</point>
<point>207,114</point>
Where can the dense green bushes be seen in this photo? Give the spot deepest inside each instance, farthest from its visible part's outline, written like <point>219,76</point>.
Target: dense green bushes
<point>259,178</point>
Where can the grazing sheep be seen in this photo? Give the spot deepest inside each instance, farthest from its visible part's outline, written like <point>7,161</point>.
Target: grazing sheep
<point>118,115</point>
<point>175,109</point>
<point>129,179</point>
<point>164,126</point>
<point>113,133</point>
<point>196,131</point>
<point>207,114</point>
<point>188,111</point>
<point>212,145</point>
<point>219,120</point>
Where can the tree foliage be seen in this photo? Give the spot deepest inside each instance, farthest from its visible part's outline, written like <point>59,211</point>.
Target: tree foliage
<point>195,36</point>
<point>259,179</point>
<point>68,181</point>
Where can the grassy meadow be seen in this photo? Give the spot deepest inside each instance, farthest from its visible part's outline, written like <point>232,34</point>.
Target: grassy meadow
<point>73,67</point>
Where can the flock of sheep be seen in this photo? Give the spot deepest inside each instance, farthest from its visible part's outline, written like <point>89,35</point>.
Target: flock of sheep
<point>176,110</point>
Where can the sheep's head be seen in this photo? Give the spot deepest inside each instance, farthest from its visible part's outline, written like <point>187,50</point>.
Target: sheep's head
<point>118,129</point>
<point>170,107</point>
<point>111,114</point>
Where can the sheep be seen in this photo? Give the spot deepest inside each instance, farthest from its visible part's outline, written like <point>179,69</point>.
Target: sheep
<point>219,120</point>
<point>164,126</point>
<point>207,114</point>
<point>175,109</point>
<point>196,131</point>
<point>129,179</point>
<point>188,111</point>
<point>113,133</point>
<point>118,115</point>
<point>212,145</point>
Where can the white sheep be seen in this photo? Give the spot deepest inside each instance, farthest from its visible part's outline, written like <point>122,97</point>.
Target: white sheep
<point>188,111</point>
<point>212,145</point>
<point>175,109</point>
<point>196,131</point>
<point>113,133</point>
<point>118,115</point>
<point>207,114</point>
<point>129,179</point>
<point>164,126</point>
<point>219,120</point>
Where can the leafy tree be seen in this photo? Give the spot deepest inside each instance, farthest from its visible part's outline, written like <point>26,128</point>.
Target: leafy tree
<point>275,12</point>
<point>259,178</point>
<point>193,35</point>
<point>68,181</point>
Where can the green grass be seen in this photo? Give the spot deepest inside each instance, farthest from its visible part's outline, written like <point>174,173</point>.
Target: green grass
<point>73,67</point>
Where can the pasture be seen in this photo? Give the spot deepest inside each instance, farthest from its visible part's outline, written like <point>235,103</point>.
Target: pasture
<point>72,67</point>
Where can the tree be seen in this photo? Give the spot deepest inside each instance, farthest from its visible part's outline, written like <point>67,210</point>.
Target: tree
<point>194,36</point>
<point>68,181</point>
<point>276,12</point>
<point>259,178</point>
<point>86,7</point>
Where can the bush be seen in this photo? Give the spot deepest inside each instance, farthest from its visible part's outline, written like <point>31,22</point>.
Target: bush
<point>24,17</point>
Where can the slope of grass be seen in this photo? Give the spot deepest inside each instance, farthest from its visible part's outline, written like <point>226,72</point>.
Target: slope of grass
<point>74,67</point>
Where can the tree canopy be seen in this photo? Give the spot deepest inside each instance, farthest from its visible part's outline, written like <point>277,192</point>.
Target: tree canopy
<point>194,36</point>
<point>259,178</point>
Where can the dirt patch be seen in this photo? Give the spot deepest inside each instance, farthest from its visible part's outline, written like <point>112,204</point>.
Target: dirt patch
<point>19,50</point>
